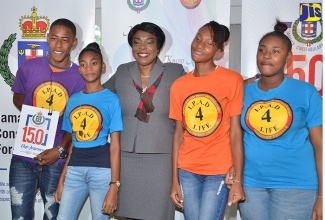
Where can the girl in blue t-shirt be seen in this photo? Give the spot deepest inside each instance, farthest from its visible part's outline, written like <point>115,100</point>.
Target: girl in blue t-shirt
<point>93,165</point>
<point>282,123</point>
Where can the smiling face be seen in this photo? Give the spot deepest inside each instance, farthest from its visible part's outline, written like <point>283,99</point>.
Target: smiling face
<point>91,66</point>
<point>60,40</point>
<point>144,48</point>
<point>203,49</point>
<point>272,55</point>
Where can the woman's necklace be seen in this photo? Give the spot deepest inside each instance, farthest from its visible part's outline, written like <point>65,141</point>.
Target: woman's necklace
<point>144,88</point>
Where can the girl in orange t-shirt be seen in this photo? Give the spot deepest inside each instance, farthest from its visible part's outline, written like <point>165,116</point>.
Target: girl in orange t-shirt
<point>206,105</point>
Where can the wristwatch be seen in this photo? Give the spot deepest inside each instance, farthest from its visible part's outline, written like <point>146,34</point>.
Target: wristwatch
<point>63,152</point>
<point>117,183</point>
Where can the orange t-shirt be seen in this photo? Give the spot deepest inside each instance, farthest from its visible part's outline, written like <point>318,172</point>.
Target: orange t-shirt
<point>205,105</point>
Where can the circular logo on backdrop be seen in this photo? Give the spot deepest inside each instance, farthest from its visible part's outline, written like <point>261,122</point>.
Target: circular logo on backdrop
<point>138,5</point>
<point>269,119</point>
<point>202,114</point>
<point>190,4</point>
<point>52,96</point>
<point>86,122</point>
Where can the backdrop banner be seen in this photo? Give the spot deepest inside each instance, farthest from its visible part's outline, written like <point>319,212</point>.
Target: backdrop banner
<point>305,30</point>
<point>180,20</point>
<point>23,36</point>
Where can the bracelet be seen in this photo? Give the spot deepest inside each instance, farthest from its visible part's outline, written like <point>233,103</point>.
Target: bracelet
<point>238,182</point>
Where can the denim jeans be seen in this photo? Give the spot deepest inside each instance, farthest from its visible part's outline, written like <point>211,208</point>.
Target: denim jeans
<point>205,197</point>
<point>79,183</point>
<point>277,204</point>
<point>25,178</point>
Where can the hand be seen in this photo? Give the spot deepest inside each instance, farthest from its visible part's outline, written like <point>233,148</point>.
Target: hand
<point>236,193</point>
<point>176,195</point>
<point>229,180</point>
<point>58,192</point>
<point>110,202</point>
<point>48,157</point>
<point>318,209</point>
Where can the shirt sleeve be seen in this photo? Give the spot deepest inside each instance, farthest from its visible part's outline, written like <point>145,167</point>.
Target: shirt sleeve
<point>175,109</point>
<point>116,123</point>
<point>66,124</point>
<point>19,85</point>
<point>237,96</point>
<point>110,84</point>
<point>314,114</point>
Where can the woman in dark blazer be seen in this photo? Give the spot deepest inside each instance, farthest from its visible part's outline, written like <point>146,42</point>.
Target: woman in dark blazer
<point>146,142</point>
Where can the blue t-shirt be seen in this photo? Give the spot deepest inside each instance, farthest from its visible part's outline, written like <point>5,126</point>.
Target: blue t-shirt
<point>278,152</point>
<point>90,118</point>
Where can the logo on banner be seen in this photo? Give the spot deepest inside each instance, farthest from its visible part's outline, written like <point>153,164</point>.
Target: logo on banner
<point>32,27</point>
<point>31,49</point>
<point>308,28</point>
<point>5,72</point>
<point>138,5</point>
<point>306,35</point>
<point>190,4</point>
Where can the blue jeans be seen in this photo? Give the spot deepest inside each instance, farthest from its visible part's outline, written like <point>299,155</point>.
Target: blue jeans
<point>205,197</point>
<point>25,178</point>
<point>277,204</point>
<point>79,183</point>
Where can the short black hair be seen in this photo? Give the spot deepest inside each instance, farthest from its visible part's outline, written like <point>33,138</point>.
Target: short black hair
<point>279,29</point>
<point>67,23</point>
<point>150,28</point>
<point>93,47</point>
<point>219,32</point>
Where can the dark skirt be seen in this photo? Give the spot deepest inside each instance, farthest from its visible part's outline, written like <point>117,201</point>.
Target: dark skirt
<point>145,187</point>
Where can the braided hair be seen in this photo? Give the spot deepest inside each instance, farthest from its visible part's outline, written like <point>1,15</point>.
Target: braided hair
<point>93,47</point>
<point>219,32</point>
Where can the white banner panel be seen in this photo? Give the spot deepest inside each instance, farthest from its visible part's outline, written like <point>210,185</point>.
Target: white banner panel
<point>14,48</point>
<point>304,19</point>
<point>179,24</point>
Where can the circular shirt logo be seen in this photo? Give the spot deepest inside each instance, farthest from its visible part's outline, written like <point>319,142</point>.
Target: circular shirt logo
<point>52,96</point>
<point>86,122</point>
<point>269,119</point>
<point>202,114</point>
